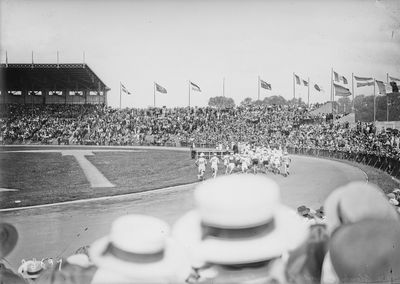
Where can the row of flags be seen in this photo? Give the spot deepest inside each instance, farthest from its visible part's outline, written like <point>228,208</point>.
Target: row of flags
<point>160,88</point>
<point>339,90</point>
<point>305,83</point>
<point>383,87</point>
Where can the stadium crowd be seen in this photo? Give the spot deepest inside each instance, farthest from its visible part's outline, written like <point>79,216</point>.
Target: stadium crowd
<point>252,239</point>
<point>291,127</point>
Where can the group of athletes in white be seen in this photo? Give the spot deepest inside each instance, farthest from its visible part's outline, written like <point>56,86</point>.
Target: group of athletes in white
<point>250,159</point>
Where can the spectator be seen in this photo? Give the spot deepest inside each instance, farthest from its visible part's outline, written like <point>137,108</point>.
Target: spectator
<point>239,230</point>
<point>139,250</point>
<point>366,252</point>
<point>8,240</point>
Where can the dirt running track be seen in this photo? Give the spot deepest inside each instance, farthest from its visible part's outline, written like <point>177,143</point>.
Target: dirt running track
<point>54,231</point>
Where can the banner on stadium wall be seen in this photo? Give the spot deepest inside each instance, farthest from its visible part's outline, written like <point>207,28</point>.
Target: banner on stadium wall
<point>95,93</point>
<point>55,93</point>
<point>76,93</point>
<point>34,93</point>
<point>15,93</point>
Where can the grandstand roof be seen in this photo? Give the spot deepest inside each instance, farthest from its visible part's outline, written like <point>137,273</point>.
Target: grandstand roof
<point>50,76</point>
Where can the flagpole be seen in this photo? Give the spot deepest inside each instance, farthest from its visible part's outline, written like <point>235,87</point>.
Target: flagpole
<point>294,89</point>
<point>352,90</point>
<point>332,95</point>
<point>308,93</point>
<point>223,87</point>
<point>120,95</point>
<point>258,87</point>
<point>374,103</point>
<point>387,98</point>
<point>189,93</point>
<point>154,93</point>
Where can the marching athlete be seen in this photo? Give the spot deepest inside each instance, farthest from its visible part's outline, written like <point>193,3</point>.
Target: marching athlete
<point>201,163</point>
<point>214,161</point>
<point>286,161</point>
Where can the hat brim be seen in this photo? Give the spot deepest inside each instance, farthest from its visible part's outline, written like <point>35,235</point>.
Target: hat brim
<point>174,265</point>
<point>289,232</point>
<point>9,238</point>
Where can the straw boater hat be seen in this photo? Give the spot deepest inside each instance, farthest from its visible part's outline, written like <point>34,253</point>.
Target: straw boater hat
<point>138,250</point>
<point>8,238</point>
<point>31,269</point>
<point>239,220</point>
<point>357,201</point>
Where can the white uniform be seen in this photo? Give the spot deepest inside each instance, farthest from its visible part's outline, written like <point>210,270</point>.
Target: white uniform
<point>214,165</point>
<point>201,164</point>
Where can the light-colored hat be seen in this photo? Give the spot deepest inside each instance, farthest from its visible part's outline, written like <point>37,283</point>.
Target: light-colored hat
<point>357,201</point>
<point>139,250</point>
<point>201,154</point>
<point>8,238</point>
<point>30,269</point>
<point>239,220</point>
<point>367,252</point>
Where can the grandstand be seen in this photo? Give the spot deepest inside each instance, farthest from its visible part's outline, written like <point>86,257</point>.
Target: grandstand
<point>50,84</point>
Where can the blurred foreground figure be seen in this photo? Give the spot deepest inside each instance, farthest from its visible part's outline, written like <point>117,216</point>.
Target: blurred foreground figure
<point>348,205</point>
<point>357,201</point>
<point>239,231</point>
<point>366,252</point>
<point>139,250</point>
<point>8,240</point>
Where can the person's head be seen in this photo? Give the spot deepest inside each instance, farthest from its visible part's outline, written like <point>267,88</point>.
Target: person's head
<point>366,252</point>
<point>8,238</point>
<point>139,249</point>
<point>239,221</point>
<point>357,201</point>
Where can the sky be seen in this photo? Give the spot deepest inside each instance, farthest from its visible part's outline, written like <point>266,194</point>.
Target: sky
<point>171,42</point>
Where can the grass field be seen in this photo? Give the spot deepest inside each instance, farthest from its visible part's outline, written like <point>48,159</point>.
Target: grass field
<point>50,177</point>
<point>42,178</point>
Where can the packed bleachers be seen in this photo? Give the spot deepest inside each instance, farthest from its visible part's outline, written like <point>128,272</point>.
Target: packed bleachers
<point>273,125</point>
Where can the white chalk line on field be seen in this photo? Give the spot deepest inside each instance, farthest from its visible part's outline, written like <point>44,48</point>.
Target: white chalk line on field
<point>102,198</point>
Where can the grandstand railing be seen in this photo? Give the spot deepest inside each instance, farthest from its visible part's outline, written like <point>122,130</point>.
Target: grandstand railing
<point>381,162</point>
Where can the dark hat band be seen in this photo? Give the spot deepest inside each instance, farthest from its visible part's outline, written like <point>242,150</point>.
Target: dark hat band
<point>133,257</point>
<point>34,272</point>
<point>209,231</point>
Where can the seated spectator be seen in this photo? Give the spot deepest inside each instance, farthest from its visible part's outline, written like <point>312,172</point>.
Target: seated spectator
<point>239,231</point>
<point>139,250</point>
<point>354,202</point>
<point>8,240</point>
<point>365,252</point>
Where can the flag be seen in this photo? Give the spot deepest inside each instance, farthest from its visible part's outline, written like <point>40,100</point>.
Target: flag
<point>365,84</point>
<point>363,78</point>
<point>339,78</point>
<point>160,89</point>
<point>336,76</point>
<point>265,85</point>
<point>395,88</point>
<point>124,89</point>
<point>381,87</point>
<point>394,79</point>
<point>318,88</point>
<point>195,87</point>
<point>297,79</point>
<point>305,83</point>
<point>341,91</point>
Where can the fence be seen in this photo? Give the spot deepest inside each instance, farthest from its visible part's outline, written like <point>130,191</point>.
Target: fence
<point>386,164</point>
